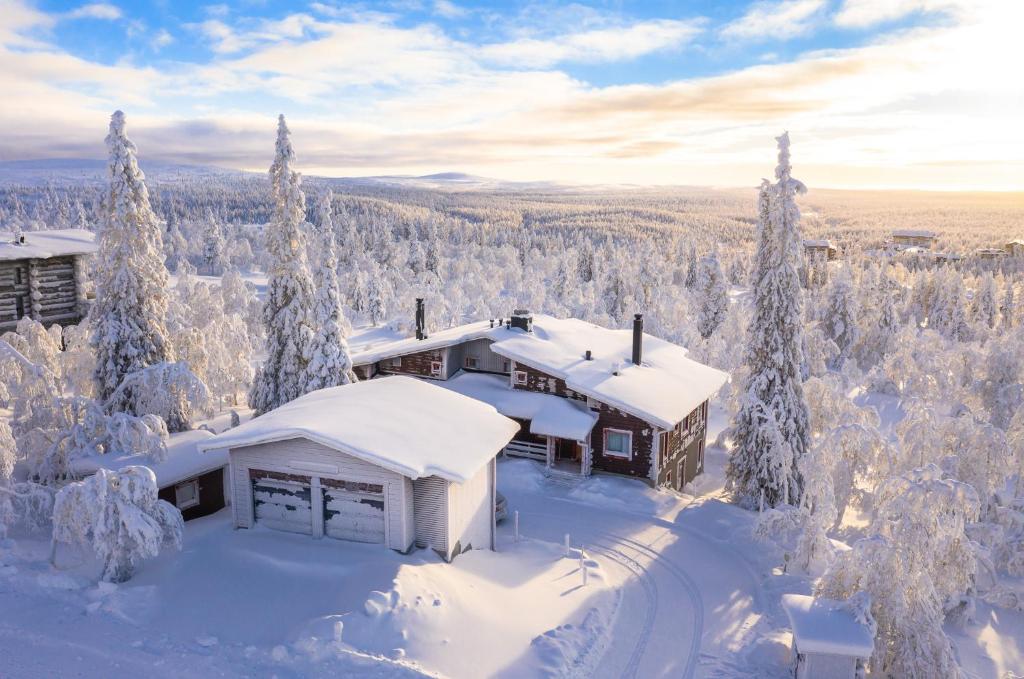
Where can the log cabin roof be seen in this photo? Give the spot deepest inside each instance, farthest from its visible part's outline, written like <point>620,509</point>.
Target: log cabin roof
<point>399,423</point>
<point>45,244</point>
<point>826,626</point>
<point>184,460</point>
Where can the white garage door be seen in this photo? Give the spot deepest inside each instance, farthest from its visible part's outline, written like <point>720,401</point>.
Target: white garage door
<point>353,510</point>
<point>282,501</point>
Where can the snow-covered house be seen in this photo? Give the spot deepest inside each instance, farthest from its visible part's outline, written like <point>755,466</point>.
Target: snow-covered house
<point>828,640</point>
<point>194,482</point>
<point>819,250</point>
<point>395,461</point>
<point>42,275</point>
<point>906,238</point>
<point>991,253</point>
<point>1015,248</point>
<point>585,397</point>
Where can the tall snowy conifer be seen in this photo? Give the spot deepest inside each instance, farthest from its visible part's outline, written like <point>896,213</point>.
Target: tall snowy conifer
<point>128,317</point>
<point>713,295</point>
<point>289,301</point>
<point>771,430</point>
<point>329,364</point>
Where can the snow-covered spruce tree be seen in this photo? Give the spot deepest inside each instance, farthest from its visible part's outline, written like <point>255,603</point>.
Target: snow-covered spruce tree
<point>120,516</point>
<point>214,257</point>
<point>23,502</point>
<point>986,308</point>
<point>840,319</point>
<point>1007,306</point>
<point>329,362</point>
<point>128,316</point>
<point>289,300</point>
<point>713,294</point>
<point>761,470</point>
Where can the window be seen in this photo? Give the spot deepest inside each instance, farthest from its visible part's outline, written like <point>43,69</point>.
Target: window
<point>662,448</point>
<point>17,275</point>
<point>19,307</point>
<point>470,362</point>
<point>435,368</point>
<point>519,376</point>
<point>395,362</point>
<point>618,443</point>
<point>505,367</point>
<point>693,419</point>
<point>186,494</point>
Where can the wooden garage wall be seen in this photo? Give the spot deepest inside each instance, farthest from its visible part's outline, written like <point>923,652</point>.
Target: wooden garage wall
<point>308,458</point>
<point>431,513</point>
<point>470,511</point>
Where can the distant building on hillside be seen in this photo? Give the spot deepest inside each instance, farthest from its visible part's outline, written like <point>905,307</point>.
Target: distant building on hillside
<point>905,238</point>
<point>1015,248</point>
<point>42,276</point>
<point>586,397</point>
<point>991,253</point>
<point>819,250</point>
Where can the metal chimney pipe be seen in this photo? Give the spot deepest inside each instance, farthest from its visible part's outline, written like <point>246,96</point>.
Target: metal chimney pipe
<point>420,320</point>
<point>638,338</point>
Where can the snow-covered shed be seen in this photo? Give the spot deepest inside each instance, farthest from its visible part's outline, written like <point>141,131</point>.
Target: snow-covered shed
<point>395,461</point>
<point>194,482</point>
<point>1015,248</point>
<point>819,249</point>
<point>903,238</point>
<point>42,275</point>
<point>828,640</point>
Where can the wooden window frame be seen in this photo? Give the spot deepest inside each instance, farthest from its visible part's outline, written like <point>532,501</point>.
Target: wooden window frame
<point>436,368</point>
<point>393,362</point>
<point>521,382</point>
<point>663,440</point>
<point>471,362</point>
<point>628,455</point>
<point>187,504</point>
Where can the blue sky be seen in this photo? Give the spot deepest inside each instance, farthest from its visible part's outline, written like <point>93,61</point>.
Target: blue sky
<point>875,93</point>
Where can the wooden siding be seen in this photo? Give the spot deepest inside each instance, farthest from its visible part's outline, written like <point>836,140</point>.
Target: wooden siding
<point>542,382</point>
<point>47,290</point>
<point>417,365</point>
<point>302,457</point>
<point>471,512</point>
<point>485,360</point>
<point>211,494</point>
<point>430,495</point>
<point>688,438</point>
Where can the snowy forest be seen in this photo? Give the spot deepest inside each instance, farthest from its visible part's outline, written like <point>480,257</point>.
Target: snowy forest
<point>874,421</point>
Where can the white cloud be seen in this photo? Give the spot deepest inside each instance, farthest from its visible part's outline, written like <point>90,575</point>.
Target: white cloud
<point>765,20</point>
<point>162,39</point>
<point>96,10</point>
<point>866,13</point>
<point>594,46</point>
<point>448,9</point>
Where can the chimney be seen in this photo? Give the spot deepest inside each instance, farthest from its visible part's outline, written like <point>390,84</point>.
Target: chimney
<point>21,240</point>
<point>588,356</point>
<point>420,320</point>
<point>638,338</point>
<point>522,319</point>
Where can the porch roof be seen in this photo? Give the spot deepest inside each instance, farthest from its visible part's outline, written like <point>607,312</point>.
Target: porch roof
<point>549,415</point>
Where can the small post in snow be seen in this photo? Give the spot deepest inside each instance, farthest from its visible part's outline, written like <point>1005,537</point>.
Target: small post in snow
<point>583,565</point>
<point>339,628</point>
<point>515,525</point>
<point>568,547</point>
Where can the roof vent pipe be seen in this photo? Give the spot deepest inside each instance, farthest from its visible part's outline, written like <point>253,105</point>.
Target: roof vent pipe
<point>638,338</point>
<point>420,319</point>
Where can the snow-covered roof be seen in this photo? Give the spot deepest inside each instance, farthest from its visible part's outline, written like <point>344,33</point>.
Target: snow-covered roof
<point>666,388</point>
<point>663,390</point>
<point>43,244</point>
<point>996,252</point>
<point>826,626</point>
<point>817,243</point>
<point>1015,242</point>
<point>373,352</point>
<point>184,460</point>
<point>549,415</point>
<point>913,233</point>
<point>400,423</point>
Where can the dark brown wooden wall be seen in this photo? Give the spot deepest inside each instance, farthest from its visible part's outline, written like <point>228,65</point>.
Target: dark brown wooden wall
<point>211,495</point>
<point>417,364</point>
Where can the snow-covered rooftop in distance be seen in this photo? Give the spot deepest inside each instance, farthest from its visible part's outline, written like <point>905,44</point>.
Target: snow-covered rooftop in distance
<point>184,460</point>
<point>363,353</point>
<point>826,626</point>
<point>43,244</point>
<point>663,390</point>
<point>913,233</point>
<point>400,423</point>
<point>549,415</point>
<point>817,243</point>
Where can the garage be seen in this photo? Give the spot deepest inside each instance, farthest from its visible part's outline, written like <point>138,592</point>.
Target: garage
<point>408,463</point>
<point>282,501</point>
<point>353,510</point>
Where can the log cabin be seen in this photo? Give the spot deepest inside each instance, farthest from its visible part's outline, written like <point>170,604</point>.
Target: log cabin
<point>1015,248</point>
<point>43,276</point>
<point>907,238</point>
<point>586,398</point>
<point>372,462</point>
<point>819,250</point>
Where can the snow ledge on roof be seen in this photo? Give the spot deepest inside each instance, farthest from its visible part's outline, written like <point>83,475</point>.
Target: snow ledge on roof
<point>826,626</point>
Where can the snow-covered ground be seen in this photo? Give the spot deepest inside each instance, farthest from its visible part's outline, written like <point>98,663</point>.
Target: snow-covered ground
<point>676,586</point>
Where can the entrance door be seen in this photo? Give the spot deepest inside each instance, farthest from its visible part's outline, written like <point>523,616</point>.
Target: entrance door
<point>681,475</point>
<point>282,501</point>
<point>353,510</point>
<point>568,455</point>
